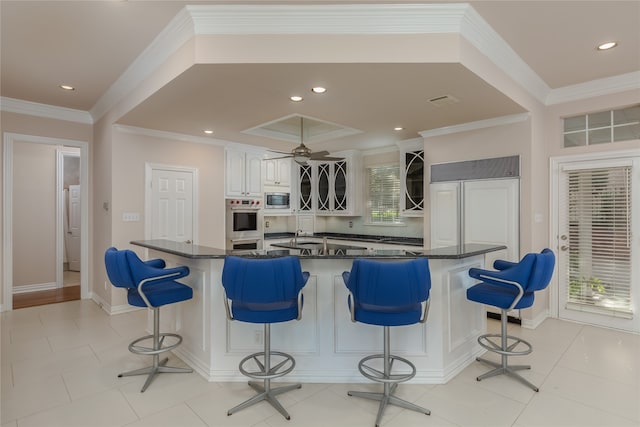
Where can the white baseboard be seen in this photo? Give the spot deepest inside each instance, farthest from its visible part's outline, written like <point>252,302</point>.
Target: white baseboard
<point>34,288</point>
<point>535,322</point>
<point>111,310</point>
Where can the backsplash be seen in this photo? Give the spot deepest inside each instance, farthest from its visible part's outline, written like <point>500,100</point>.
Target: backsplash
<point>287,224</point>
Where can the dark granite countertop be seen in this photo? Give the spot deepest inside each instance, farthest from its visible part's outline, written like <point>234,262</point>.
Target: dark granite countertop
<point>393,240</point>
<point>336,252</point>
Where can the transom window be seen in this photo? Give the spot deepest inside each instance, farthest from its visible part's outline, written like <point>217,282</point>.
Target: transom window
<point>602,127</point>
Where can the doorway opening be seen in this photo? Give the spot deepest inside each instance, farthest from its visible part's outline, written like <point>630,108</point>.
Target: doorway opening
<point>34,226</point>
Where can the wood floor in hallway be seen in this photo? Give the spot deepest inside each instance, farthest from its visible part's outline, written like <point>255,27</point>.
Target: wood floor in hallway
<point>32,299</point>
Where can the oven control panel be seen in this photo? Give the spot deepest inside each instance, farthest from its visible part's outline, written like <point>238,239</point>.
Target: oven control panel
<point>244,203</point>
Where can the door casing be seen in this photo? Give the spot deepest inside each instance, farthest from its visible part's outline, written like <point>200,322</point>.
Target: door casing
<point>7,206</point>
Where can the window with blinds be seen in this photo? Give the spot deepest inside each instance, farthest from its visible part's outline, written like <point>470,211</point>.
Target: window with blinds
<point>599,224</point>
<point>383,206</point>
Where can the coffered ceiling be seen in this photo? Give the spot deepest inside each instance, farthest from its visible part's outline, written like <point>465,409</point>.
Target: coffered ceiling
<point>91,44</point>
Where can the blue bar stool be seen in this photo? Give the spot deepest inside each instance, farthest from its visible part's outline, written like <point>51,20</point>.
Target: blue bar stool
<point>511,286</point>
<point>388,294</point>
<point>149,284</point>
<point>264,291</point>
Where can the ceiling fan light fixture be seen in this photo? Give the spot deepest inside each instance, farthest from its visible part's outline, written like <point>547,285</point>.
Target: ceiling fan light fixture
<point>301,160</point>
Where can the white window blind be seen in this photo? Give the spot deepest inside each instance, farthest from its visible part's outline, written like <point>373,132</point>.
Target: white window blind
<point>384,195</point>
<point>599,276</point>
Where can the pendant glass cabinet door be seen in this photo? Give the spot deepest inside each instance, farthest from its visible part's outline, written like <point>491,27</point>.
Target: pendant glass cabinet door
<point>340,186</point>
<point>305,188</point>
<point>413,183</point>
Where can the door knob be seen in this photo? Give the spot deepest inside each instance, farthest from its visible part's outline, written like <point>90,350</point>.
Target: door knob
<point>188,242</point>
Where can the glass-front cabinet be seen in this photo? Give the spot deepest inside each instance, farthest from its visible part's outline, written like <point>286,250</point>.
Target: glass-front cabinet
<point>329,188</point>
<point>304,189</point>
<point>333,196</point>
<point>412,183</point>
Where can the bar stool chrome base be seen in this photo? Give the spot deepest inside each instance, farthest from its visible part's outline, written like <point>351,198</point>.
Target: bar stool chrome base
<point>505,348</point>
<point>158,365</point>
<point>266,373</point>
<point>389,380</point>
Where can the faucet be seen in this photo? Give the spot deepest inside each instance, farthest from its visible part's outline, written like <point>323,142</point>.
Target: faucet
<point>295,236</point>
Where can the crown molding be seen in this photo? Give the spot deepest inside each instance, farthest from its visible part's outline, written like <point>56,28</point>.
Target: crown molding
<point>134,130</point>
<point>484,38</point>
<point>328,18</point>
<point>171,38</point>
<point>19,106</point>
<point>480,124</point>
<point>593,88</point>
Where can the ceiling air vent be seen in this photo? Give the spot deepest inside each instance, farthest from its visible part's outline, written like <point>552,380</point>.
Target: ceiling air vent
<point>440,101</point>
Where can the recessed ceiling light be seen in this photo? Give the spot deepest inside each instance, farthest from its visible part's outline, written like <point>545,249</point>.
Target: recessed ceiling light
<point>296,98</point>
<point>208,131</point>
<point>318,89</point>
<point>398,128</point>
<point>607,45</point>
<point>67,87</point>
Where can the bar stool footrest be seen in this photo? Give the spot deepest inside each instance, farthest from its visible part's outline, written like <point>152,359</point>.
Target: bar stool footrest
<point>377,375</point>
<point>274,371</point>
<point>149,350</point>
<point>487,342</point>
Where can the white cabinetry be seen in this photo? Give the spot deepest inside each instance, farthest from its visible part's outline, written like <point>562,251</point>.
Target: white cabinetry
<point>277,172</point>
<point>243,173</point>
<point>483,211</point>
<point>412,164</point>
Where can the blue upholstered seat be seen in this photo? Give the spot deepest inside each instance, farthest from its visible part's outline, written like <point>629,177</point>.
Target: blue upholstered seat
<point>149,284</point>
<point>264,291</point>
<point>126,270</point>
<point>511,285</point>
<point>388,293</point>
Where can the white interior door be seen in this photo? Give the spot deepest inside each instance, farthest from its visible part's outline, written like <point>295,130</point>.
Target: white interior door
<point>72,235</point>
<point>172,205</point>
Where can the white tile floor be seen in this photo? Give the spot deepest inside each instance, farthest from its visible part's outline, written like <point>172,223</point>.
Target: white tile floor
<point>59,365</point>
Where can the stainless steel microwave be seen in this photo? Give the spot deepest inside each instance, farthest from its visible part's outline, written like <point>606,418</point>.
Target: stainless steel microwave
<point>276,200</point>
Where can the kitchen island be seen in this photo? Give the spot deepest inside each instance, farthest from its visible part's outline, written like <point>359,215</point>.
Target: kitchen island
<point>325,343</point>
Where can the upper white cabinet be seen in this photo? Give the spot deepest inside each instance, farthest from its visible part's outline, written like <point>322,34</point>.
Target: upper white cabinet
<point>277,172</point>
<point>329,188</point>
<point>412,164</point>
<point>302,195</point>
<point>333,192</point>
<point>243,173</point>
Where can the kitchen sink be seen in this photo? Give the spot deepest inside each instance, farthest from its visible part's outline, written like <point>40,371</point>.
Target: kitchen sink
<point>308,244</point>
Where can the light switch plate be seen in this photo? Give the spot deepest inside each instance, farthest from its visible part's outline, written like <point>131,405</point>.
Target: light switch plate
<point>130,216</point>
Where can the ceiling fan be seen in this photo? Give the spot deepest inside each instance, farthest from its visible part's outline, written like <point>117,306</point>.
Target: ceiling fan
<point>301,154</point>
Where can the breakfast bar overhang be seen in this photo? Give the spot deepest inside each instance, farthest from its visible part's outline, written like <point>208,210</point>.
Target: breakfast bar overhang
<point>325,343</point>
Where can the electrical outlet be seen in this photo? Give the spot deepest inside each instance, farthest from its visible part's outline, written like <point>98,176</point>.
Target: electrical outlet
<point>257,337</point>
<point>350,224</point>
<point>266,224</point>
